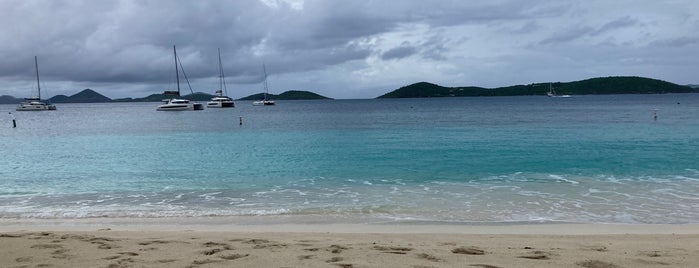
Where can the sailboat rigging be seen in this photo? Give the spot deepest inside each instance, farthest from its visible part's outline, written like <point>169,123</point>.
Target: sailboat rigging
<point>220,100</point>
<point>265,101</point>
<point>175,103</point>
<point>552,93</point>
<point>35,103</point>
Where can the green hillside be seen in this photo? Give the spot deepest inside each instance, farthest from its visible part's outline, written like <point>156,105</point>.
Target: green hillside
<point>5,99</point>
<point>605,85</point>
<point>85,96</point>
<point>288,95</point>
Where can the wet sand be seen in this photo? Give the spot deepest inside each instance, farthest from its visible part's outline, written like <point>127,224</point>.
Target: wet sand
<point>100,243</point>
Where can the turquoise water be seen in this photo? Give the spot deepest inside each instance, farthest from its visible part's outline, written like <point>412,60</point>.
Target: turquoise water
<point>502,159</point>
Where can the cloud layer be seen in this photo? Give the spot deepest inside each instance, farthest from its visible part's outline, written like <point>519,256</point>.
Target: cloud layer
<point>341,49</point>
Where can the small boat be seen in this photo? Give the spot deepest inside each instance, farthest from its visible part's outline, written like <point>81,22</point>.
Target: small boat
<point>221,100</point>
<point>174,103</point>
<point>265,101</point>
<point>35,103</point>
<point>552,93</point>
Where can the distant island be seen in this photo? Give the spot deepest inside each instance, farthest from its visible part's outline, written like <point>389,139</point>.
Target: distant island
<point>602,85</point>
<point>288,95</point>
<point>91,96</point>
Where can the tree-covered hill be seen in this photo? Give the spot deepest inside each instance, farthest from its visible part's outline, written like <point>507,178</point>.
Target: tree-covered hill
<point>288,95</point>
<point>603,85</point>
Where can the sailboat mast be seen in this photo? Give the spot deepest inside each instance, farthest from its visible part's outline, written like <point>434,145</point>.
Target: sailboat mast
<point>221,82</point>
<point>264,69</point>
<point>177,72</point>
<point>38,86</point>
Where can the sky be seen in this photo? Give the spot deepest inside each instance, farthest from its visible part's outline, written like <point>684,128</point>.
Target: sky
<point>343,49</point>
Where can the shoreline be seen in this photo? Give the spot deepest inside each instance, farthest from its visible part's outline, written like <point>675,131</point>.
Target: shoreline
<point>152,243</point>
<point>263,224</point>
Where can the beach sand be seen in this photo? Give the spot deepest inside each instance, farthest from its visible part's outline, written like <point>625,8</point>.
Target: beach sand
<point>99,243</point>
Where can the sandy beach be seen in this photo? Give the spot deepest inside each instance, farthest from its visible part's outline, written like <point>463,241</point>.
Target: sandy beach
<point>151,243</point>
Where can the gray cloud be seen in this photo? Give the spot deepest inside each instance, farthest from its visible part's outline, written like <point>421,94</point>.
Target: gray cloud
<point>399,52</point>
<point>616,24</point>
<point>124,47</point>
<point>677,42</point>
<point>567,35</point>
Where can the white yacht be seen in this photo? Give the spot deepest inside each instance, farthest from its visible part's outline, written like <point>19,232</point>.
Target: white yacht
<point>174,103</point>
<point>35,103</point>
<point>265,101</point>
<point>220,100</point>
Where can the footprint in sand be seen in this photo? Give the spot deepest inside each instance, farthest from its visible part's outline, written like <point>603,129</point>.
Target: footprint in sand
<point>428,257</point>
<point>393,250</point>
<point>46,246</point>
<point>256,241</point>
<point>468,251</point>
<point>536,255</point>
<point>211,251</point>
<point>484,266</point>
<point>23,259</point>
<point>161,242</point>
<point>652,253</point>
<point>597,264</point>
<point>103,245</point>
<point>305,257</point>
<point>264,243</point>
<point>215,244</point>
<point>336,249</point>
<point>334,259</point>
<point>11,235</point>
<point>596,248</point>
<point>207,261</point>
<point>231,257</point>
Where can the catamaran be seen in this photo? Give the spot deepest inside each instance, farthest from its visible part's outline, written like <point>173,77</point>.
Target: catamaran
<point>220,100</point>
<point>35,103</point>
<point>175,104</point>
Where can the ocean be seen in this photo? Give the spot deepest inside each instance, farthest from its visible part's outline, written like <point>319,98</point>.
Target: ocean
<point>527,159</point>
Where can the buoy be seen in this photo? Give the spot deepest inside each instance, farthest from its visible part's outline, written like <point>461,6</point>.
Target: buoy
<point>655,115</point>
<point>241,120</point>
<point>14,121</point>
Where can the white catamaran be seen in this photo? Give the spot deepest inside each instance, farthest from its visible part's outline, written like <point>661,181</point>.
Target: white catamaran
<point>220,100</point>
<point>35,103</point>
<point>264,101</point>
<point>176,104</point>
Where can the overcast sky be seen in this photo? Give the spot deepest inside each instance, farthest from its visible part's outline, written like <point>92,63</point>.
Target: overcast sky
<point>340,48</point>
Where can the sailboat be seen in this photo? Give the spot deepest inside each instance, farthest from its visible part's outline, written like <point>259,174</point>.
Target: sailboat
<point>264,101</point>
<point>175,104</point>
<point>35,103</point>
<point>220,100</point>
<point>552,93</point>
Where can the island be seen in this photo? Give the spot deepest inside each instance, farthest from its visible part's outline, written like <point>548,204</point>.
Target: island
<point>601,85</point>
<point>91,96</point>
<point>288,95</point>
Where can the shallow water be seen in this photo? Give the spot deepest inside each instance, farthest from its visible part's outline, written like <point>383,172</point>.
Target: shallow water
<point>501,159</point>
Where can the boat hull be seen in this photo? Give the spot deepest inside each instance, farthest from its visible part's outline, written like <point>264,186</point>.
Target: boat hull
<point>263,103</point>
<point>220,104</point>
<point>36,107</point>
<point>177,107</point>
